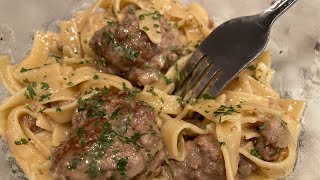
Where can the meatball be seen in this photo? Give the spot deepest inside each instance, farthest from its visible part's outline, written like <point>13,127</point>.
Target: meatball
<point>246,167</point>
<point>204,160</point>
<point>114,137</point>
<point>122,49</point>
<point>274,138</point>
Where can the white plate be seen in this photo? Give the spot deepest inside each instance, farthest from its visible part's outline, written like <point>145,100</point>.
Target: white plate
<point>292,42</point>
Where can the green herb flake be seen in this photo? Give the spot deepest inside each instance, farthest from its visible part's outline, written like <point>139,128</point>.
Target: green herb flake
<point>54,55</point>
<point>162,100</point>
<point>21,141</point>
<point>278,150</point>
<point>224,110</point>
<point>255,152</point>
<point>145,28</point>
<point>73,164</point>
<point>167,80</point>
<point>115,114</point>
<point>110,23</point>
<point>121,166</point>
<point>45,96</point>
<point>177,75</point>
<point>151,91</point>
<point>29,107</point>
<point>95,77</point>
<point>58,109</point>
<point>44,86</point>
<point>34,84</point>
<point>42,110</point>
<point>70,83</point>
<point>222,143</point>
<point>254,77</point>
<point>206,96</point>
<point>252,68</point>
<point>141,17</point>
<point>31,92</point>
<point>156,25</point>
<point>262,127</point>
<point>24,70</point>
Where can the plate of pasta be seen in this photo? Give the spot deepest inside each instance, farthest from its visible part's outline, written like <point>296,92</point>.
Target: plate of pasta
<point>93,98</point>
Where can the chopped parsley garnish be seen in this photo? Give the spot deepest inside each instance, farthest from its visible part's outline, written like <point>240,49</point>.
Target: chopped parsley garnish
<point>183,102</point>
<point>206,96</point>
<point>94,104</point>
<point>41,110</point>
<point>177,75</point>
<point>222,143</point>
<point>255,77</point>
<point>252,68</point>
<point>70,83</point>
<point>121,166</point>
<point>278,150</point>
<point>30,93</point>
<point>141,17</point>
<point>224,110</point>
<point>115,114</point>
<point>44,86</point>
<point>262,127</point>
<point>74,163</point>
<point>255,152</point>
<point>162,100</point>
<point>58,109</point>
<point>34,84</point>
<point>126,50</point>
<point>110,23</point>
<point>168,80</point>
<point>21,141</point>
<point>95,77</point>
<point>24,70</point>
<point>145,28</point>
<point>29,107</point>
<point>79,132</point>
<point>94,170</point>
<point>136,137</point>
<point>156,25</point>
<point>45,96</point>
<point>56,56</point>
<point>151,91</point>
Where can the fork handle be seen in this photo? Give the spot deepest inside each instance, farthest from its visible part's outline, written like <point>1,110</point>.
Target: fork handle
<point>278,8</point>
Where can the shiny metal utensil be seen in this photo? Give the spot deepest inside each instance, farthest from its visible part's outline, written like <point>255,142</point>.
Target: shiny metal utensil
<point>227,50</point>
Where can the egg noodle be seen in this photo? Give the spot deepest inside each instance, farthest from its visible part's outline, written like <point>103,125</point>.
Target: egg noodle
<point>47,77</point>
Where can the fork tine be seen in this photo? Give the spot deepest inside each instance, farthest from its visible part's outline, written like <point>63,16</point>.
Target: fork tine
<point>192,63</point>
<point>188,83</point>
<point>208,77</point>
<point>218,84</point>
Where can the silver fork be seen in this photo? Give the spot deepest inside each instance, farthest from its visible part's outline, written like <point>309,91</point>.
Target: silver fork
<point>227,50</point>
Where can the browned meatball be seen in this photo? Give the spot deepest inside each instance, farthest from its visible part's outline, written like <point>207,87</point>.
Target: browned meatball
<point>246,167</point>
<point>115,137</point>
<point>121,48</point>
<point>274,138</point>
<point>204,161</point>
